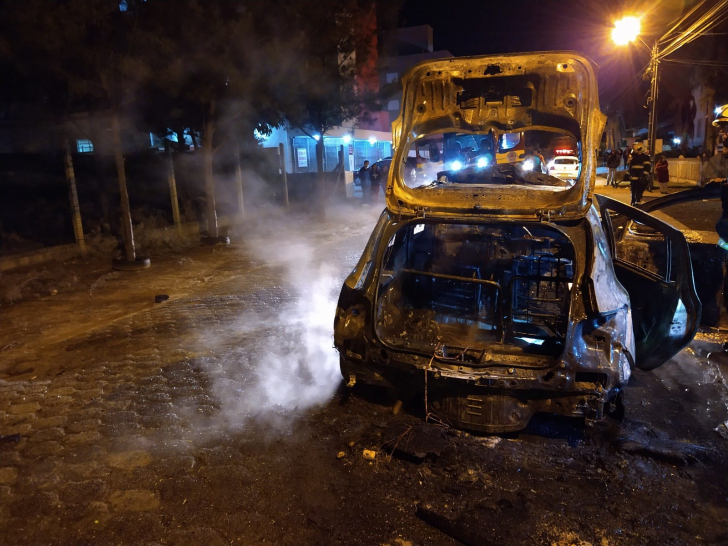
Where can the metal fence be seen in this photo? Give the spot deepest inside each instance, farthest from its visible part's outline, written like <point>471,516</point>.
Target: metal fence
<point>684,170</point>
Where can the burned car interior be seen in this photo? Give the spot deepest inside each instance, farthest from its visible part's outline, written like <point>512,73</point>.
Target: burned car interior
<point>460,285</point>
<point>491,289</point>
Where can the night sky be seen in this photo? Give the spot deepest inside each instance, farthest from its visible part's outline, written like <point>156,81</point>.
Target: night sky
<point>472,27</point>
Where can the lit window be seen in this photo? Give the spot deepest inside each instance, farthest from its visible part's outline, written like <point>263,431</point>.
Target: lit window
<point>84,146</point>
<point>393,104</point>
<point>392,77</point>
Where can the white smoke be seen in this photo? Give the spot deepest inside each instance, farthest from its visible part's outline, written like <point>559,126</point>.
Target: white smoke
<point>275,363</point>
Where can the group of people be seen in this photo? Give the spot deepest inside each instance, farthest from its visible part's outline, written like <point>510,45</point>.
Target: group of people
<point>639,167</point>
<point>370,182</point>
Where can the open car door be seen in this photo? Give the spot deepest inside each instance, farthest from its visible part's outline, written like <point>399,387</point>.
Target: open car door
<point>655,269</point>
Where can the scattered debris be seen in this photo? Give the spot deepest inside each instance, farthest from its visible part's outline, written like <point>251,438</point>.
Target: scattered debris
<point>415,442</point>
<point>397,407</point>
<point>667,451</point>
<point>159,298</point>
<point>369,454</point>
<point>341,455</point>
<point>722,429</point>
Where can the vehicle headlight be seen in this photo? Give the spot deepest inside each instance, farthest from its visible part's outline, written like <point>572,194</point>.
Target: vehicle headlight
<point>456,165</point>
<point>482,162</point>
<point>528,165</point>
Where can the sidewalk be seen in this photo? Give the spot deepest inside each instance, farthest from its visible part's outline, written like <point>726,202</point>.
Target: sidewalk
<point>622,192</point>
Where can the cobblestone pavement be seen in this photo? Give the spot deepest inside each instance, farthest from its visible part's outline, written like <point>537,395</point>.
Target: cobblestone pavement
<point>125,421</point>
<point>218,417</point>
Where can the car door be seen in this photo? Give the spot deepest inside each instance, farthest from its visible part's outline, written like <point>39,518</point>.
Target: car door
<point>652,261</point>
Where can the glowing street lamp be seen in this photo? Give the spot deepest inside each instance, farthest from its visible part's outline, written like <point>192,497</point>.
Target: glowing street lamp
<point>626,30</point>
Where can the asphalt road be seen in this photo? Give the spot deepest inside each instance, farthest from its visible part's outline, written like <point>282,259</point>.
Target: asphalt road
<point>219,417</point>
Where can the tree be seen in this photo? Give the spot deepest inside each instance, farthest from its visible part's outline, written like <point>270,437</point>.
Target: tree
<point>216,80</point>
<point>332,45</point>
<point>90,56</point>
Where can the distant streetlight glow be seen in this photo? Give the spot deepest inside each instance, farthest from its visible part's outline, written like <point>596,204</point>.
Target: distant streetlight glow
<point>626,30</point>
<point>347,139</point>
<point>372,140</point>
<point>317,137</point>
<point>676,141</point>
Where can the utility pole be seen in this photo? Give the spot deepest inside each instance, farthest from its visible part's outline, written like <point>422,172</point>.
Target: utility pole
<point>652,123</point>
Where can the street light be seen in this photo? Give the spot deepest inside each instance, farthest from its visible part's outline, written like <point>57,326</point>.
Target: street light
<point>681,33</point>
<point>628,30</point>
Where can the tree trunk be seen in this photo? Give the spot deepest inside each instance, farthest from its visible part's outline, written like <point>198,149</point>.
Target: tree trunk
<point>239,182</point>
<point>320,178</point>
<point>210,209</point>
<point>181,144</point>
<point>173,192</point>
<point>73,197</point>
<point>284,174</point>
<point>126,227</point>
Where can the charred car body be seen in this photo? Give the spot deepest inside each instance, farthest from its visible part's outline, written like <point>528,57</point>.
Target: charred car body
<point>495,291</point>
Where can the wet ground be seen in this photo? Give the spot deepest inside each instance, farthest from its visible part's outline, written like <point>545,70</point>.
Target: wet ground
<point>218,417</point>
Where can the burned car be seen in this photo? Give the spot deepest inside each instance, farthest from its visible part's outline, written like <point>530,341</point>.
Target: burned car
<point>494,291</point>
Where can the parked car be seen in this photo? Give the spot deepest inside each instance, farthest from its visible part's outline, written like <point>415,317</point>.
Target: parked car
<point>493,292</point>
<point>564,167</point>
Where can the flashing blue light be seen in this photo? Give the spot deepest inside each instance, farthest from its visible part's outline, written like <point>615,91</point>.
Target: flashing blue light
<point>456,165</point>
<point>482,162</point>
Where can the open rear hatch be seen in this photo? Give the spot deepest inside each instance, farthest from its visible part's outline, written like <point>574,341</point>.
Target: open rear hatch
<point>475,137</point>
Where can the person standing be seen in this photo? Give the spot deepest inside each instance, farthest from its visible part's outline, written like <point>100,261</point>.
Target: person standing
<point>639,172</point>
<point>625,156</point>
<point>365,182</point>
<point>613,161</point>
<point>375,175</point>
<point>663,174</point>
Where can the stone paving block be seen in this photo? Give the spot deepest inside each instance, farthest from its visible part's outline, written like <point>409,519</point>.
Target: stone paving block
<point>88,437</point>
<point>92,412</point>
<point>172,466</point>
<point>62,391</point>
<point>40,502</point>
<point>134,500</point>
<point>84,491</point>
<point>156,397</point>
<point>82,471</point>
<point>47,434</point>
<point>120,430</point>
<point>115,417</point>
<point>52,401</point>
<point>127,460</point>
<point>8,475</point>
<point>43,449</point>
<point>20,428</point>
<point>24,408</point>
<point>84,425</point>
<point>89,394</point>
<point>9,457</point>
<point>50,422</point>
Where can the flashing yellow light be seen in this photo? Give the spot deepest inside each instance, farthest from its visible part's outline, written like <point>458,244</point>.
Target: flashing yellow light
<point>626,30</point>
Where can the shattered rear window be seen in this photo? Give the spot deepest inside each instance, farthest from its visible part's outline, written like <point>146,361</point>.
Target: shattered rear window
<point>496,136</point>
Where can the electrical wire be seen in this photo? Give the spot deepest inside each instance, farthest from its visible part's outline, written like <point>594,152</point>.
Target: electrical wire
<point>713,17</point>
